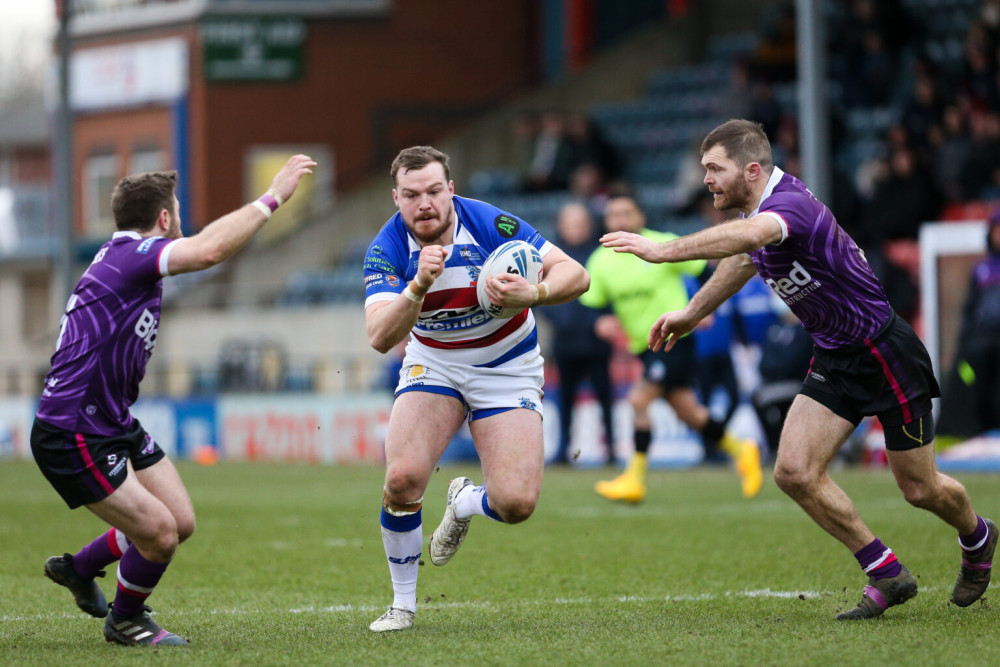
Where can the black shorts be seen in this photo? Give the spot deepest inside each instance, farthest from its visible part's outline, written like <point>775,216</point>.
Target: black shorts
<point>889,376</point>
<point>88,468</point>
<point>671,370</point>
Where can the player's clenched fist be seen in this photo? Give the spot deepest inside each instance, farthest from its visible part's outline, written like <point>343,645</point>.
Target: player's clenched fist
<point>431,264</point>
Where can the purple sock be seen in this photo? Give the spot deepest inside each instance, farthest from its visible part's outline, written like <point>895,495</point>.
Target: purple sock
<point>877,560</point>
<point>974,543</point>
<point>136,579</point>
<point>100,553</point>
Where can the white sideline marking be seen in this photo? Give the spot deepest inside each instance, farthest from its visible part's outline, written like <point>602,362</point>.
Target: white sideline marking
<point>484,604</point>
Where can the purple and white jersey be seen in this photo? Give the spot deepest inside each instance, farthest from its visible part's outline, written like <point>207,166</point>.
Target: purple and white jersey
<point>106,337</point>
<point>817,269</point>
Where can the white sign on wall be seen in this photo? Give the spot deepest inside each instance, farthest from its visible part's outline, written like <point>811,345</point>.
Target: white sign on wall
<point>129,74</point>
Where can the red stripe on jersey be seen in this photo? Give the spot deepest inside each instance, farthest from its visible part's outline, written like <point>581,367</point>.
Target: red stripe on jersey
<point>450,299</point>
<point>485,341</point>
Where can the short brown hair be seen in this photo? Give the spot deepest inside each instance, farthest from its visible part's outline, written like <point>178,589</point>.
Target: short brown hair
<point>744,142</point>
<point>137,199</point>
<point>418,157</point>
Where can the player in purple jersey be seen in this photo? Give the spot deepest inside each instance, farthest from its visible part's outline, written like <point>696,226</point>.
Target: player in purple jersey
<point>84,439</point>
<point>423,268</point>
<point>866,361</point>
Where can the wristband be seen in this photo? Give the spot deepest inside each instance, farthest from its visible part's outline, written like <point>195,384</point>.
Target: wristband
<point>269,201</point>
<point>277,197</point>
<point>422,286</point>
<point>262,207</point>
<point>408,293</point>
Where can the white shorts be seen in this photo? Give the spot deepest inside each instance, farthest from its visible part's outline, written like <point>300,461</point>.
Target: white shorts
<point>484,391</point>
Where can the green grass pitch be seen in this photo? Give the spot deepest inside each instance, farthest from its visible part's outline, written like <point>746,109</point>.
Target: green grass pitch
<point>287,568</point>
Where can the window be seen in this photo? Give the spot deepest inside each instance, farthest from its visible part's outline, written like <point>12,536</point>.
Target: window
<point>146,159</point>
<point>100,176</point>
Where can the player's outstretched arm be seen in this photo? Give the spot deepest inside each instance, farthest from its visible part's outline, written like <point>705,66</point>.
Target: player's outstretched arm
<point>563,278</point>
<point>219,240</point>
<point>729,277</point>
<point>723,240</point>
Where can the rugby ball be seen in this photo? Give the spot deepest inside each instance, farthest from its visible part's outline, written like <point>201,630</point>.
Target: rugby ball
<point>517,257</point>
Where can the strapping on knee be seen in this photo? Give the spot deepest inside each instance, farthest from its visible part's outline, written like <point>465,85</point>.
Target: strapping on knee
<point>400,509</point>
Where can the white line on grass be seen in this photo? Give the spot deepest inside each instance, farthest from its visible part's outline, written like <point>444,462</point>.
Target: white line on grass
<point>483,604</point>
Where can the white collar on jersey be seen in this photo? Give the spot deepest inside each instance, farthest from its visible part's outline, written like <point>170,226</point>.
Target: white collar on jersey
<point>772,182</point>
<point>130,234</point>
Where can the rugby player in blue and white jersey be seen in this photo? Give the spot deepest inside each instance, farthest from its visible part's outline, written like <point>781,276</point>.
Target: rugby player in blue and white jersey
<point>84,438</point>
<point>867,361</point>
<point>421,273</point>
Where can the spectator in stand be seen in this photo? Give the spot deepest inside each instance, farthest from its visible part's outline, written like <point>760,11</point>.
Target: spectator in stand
<point>551,160</point>
<point>588,146</point>
<point>977,172</point>
<point>952,147</point>
<point>922,112</point>
<point>524,135</point>
<point>979,77</point>
<point>774,59</point>
<point>903,200</point>
<point>579,354</point>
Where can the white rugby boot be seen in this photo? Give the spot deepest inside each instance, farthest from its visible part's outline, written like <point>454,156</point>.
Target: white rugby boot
<point>450,533</point>
<point>394,619</point>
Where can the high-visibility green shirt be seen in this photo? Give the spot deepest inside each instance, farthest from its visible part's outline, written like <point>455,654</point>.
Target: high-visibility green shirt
<point>637,291</point>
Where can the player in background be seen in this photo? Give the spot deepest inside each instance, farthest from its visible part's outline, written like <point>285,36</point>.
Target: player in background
<point>637,291</point>
<point>84,439</point>
<point>578,352</point>
<point>867,360</point>
<point>421,272</point>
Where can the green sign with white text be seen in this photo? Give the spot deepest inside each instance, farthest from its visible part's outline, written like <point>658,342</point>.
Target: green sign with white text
<point>265,48</point>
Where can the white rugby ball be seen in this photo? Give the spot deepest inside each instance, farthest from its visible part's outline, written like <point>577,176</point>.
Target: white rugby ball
<point>517,257</point>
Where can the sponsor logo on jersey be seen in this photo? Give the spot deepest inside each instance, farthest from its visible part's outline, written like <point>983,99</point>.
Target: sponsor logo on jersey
<point>796,286</point>
<point>506,225</point>
<point>392,280</point>
<point>816,376</point>
<point>473,275</point>
<point>465,252</point>
<point>443,320</point>
<point>150,445</point>
<point>527,403</point>
<point>112,459</point>
<point>416,371</point>
<point>374,276</point>
<point>144,247</point>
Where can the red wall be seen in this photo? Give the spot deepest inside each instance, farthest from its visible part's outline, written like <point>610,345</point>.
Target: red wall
<point>370,87</point>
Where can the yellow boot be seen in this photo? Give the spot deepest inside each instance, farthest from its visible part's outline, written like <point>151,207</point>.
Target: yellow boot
<point>630,486</point>
<point>746,458</point>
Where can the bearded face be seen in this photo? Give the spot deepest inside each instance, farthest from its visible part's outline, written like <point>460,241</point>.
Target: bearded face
<point>728,183</point>
<point>424,198</point>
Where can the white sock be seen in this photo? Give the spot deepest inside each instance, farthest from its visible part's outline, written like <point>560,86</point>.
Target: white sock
<point>473,500</point>
<point>402,550</point>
